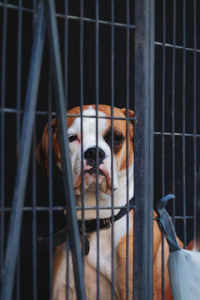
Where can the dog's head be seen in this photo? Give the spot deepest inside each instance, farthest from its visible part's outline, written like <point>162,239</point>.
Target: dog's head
<point>97,156</point>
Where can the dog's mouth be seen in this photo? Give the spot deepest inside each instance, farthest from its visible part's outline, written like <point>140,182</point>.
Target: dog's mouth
<point>91,183</point>
<point>95,171</point>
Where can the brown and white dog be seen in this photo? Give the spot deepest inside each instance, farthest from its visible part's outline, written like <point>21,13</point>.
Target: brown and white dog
<point>119,180</point>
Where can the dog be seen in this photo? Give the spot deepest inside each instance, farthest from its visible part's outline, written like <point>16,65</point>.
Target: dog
<point>113,143</point>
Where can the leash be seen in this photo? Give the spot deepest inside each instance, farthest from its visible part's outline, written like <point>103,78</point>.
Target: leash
<point>165,223</point>
<point>91,226</point>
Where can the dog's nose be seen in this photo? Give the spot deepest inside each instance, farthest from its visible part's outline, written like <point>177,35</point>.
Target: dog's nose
<point>91,154</point>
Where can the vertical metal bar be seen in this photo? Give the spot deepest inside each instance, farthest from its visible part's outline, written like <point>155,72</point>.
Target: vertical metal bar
<point>34,203</point>
<point>19,65</point>
<point>163,137</point>
<point>63,141</point>
<point>66,96</point>
<point>3,84</point>
<point>82,137</point>
<point>97,148</point>
<point>143,143</point>
<point>194,121</point>
<point>22,168</point>
<point>34,224</point>
<point>173,107</point>
<point>66,52</point>
<point>183,136</point>
<point>50,188</point>
<point>18,273</point>
<point>67,267</point>
<point>127,141</point>
<point>112,141</point>
<point>197,223</point>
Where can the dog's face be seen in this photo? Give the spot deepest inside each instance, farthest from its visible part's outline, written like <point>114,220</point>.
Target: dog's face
<point>96,155</point>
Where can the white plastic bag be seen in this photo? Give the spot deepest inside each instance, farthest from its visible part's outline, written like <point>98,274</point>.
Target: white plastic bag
<point>183,265</point>
<point>184,272</point>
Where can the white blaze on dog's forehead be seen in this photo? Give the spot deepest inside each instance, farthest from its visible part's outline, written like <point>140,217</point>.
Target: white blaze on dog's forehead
<point>89,124</point>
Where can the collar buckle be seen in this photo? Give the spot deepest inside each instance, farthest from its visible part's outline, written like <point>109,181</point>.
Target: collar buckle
<point>106,223</point>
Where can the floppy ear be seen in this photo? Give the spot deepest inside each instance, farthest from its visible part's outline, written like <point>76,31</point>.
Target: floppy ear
<point>130,114</point>
<point>42,148</point>
<point>40,157</point>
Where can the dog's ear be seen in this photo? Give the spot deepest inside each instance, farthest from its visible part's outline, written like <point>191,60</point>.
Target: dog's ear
<point>40,157</point>
<point>42,148</point>
<point>131,114</point>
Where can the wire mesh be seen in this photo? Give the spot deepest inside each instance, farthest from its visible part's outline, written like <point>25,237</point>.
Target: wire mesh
<point>97,47</point>
<point>176,124</point>
<point>105,69</point>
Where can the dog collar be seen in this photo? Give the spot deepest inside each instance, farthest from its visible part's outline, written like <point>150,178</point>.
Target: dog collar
<point>92,226</point>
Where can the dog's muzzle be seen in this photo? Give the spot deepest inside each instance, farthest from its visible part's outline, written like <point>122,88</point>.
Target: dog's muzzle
<point>95,174</point>
<point>94,156</point>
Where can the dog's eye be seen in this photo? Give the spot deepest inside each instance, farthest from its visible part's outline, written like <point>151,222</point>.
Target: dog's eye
<point>117,138</point>
<point>72,138</point>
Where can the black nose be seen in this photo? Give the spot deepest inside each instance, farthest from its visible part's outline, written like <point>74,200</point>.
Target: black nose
<point>91,154</point>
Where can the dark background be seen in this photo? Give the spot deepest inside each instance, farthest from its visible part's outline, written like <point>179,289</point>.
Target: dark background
<point>16,72</point>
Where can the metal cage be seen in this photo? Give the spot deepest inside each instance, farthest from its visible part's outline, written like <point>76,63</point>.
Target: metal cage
<point>83,52</point>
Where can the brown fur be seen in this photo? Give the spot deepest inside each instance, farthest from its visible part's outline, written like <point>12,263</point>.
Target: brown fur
<point>157,265</point>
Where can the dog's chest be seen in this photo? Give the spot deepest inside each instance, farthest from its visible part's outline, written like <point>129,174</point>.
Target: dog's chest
<point>102,247</point>
<point>100,260</point>
<point>100,252</point>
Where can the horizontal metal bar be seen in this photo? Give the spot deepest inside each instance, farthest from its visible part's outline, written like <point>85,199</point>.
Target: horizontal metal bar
<point>177,134</point>
<point>21,111</point>
<point>182,217</point>
<point>13,110</point>
<point>36,208</point>
<point>62,208</point>
<point>22,168</point>
<point>74,18</point>
<point>16,7</point>
<point>177,47</point>
<point>99,21</point>
<point>104,117</point>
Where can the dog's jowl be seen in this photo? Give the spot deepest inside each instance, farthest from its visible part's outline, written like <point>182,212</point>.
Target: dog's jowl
<point>104,167</point>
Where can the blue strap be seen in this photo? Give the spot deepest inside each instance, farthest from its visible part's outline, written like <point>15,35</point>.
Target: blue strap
<point>165,223</point>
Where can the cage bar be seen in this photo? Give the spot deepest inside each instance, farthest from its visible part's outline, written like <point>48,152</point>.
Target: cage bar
<point>3,77</point>
<point>97,136</point>
<point>177,44</point>
<point>34,225</point>
<point>128,267</point>
<point>50,165</point>
<point>112,140</point>
<point>173,108</point>
<point>183,137</point>
<point>66,164</point>
<point>143,143</point>
<point>163,130</point>
<point>195,121</point>
<point>20,183</point>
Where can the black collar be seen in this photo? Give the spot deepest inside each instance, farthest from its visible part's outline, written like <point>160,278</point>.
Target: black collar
<point>92,225</point>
